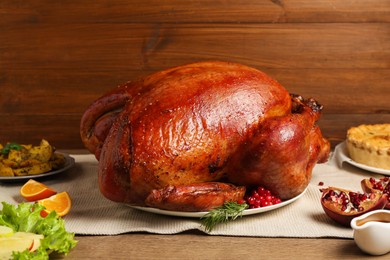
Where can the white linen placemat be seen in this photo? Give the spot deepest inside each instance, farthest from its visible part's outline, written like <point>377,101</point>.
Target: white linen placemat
<point>93,214</point>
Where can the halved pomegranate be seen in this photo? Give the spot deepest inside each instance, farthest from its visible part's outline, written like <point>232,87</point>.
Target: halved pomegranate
<point>380,186</point>
<point>343,205</point>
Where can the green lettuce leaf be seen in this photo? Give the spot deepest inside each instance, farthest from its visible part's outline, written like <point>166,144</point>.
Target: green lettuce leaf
<point>26,217</point>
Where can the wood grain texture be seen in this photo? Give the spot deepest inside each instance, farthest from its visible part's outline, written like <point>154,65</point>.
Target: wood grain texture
<point>57,57</point>
<point>200,11</point>
<point>193,245</point>
<point>102,47</point>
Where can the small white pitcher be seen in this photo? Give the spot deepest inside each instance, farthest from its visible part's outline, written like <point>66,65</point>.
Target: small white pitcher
<point>372,232</point>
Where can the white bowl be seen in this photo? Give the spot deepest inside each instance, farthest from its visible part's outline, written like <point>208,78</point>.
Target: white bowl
<point>372,232</point>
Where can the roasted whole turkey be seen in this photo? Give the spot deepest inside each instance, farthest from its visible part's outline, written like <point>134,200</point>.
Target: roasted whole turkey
<point>192,137</point>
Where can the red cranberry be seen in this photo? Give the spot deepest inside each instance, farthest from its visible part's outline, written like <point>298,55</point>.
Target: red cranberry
<point>261,197</point>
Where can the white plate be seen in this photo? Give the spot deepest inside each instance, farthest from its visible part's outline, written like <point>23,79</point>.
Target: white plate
<point>342,155</point>
<point>201,214</point>
<point>69,163</point>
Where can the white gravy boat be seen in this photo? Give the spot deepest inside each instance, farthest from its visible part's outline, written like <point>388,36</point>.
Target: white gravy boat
<point>372,232</point>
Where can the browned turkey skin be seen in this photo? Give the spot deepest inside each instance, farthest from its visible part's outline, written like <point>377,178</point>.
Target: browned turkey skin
<point>178,136</point>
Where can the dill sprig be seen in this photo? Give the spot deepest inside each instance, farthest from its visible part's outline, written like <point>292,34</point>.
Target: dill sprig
<point>227,212</point>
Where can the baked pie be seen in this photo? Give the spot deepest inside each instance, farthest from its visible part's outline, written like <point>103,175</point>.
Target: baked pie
<point>370,145</point>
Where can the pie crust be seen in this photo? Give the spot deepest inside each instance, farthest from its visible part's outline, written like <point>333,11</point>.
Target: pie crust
<point>370,145</point>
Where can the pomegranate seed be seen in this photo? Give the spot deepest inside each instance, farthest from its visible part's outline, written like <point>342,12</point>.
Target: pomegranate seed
<point>321,183</point>
<point>351,201</point>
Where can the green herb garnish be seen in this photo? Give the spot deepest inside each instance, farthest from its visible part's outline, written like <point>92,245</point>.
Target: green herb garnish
<point>227,212</point>
<point>26,217</point>
<point>10,146</point>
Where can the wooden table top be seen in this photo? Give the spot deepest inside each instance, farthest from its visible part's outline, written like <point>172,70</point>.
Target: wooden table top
<point>196,245</point>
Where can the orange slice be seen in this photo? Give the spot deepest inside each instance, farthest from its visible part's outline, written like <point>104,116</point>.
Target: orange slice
<point>33,190</point>
<point>60,203</point>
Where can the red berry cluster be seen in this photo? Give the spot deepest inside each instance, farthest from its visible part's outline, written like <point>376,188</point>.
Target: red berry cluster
<point>260,197</point>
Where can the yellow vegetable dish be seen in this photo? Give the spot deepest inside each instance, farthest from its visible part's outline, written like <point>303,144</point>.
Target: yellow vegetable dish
<point>21,160</point>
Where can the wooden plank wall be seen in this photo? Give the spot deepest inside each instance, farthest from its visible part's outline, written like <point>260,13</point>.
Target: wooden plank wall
<point>56,57</point>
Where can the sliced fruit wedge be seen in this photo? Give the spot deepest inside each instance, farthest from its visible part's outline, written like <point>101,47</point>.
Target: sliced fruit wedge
<point>61,203</point>
<point>33,190</point>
